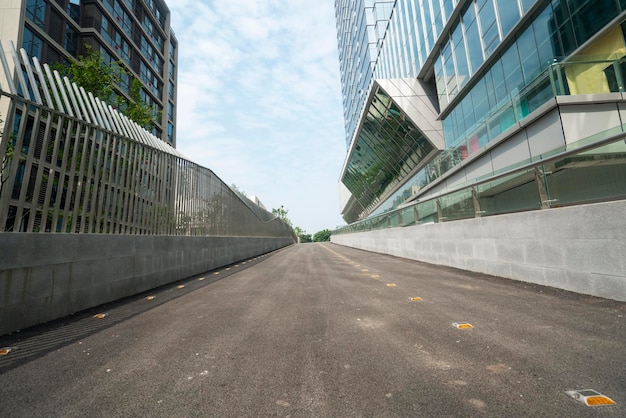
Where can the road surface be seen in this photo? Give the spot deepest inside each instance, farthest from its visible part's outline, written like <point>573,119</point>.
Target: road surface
<point>320,330</point>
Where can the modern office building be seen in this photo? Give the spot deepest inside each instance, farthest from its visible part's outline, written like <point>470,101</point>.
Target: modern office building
<point>468,108</point>
<point>135,33</point>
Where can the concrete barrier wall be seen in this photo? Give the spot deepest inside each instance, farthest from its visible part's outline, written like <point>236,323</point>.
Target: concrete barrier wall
<point>48,276</point>
<point>580,248</point>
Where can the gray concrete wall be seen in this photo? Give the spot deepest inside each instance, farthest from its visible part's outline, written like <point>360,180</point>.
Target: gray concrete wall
<point>48,276</point>
<point>580,248</point>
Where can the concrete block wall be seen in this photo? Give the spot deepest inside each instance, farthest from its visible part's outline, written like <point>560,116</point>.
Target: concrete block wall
<point>48,276</point>
<point>579,248</point>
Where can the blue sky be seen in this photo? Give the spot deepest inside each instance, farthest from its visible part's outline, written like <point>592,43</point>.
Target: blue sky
<point>259,101</point>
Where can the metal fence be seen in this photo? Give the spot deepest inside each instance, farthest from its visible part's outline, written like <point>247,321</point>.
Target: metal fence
<point>71,163</point>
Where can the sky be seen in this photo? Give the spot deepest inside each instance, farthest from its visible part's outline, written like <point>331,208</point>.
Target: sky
<point>259,101</point>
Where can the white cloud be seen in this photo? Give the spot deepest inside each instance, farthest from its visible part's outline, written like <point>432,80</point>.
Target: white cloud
<point>259,100</point>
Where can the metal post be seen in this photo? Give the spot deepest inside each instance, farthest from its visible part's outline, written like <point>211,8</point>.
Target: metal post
<point>440,217</point>
<point>544,198</point>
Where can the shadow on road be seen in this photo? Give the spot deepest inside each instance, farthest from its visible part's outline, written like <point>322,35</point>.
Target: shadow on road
<point>31,343</point>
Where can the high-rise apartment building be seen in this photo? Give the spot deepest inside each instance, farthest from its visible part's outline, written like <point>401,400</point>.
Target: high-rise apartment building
<point>444,95</point>
<point>135,33</point>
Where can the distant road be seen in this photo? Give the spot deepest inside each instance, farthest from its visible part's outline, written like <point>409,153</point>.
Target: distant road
<point>320,330</point>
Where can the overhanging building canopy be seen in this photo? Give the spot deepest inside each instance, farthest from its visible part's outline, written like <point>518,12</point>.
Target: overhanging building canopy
<point>398,134</point>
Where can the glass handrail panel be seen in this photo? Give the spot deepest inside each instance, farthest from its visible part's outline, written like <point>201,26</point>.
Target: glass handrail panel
<point>590,176</point>
<point>458,205</point>
<point>427,212</point>
<point>514,193</point>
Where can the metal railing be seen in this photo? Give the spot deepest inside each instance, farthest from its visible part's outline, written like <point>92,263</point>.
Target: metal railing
<point>588,171</point>
<point>71,163</point>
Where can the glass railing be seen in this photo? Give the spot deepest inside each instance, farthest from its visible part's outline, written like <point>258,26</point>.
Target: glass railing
<point>597,76</point>
<point>589,171</point>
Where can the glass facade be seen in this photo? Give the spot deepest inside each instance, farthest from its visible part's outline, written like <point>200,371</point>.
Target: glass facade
<point>492,63</point>
<point>360,27</point>
<point>388,148</point>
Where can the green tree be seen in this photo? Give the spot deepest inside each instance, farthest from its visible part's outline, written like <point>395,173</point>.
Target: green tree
<point>136,109</point>
<point>302,235</point>
<point>322,236</point>
<point>282,214</point>
<point>91,72</point>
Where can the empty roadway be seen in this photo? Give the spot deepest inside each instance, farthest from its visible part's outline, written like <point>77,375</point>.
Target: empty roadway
<point>320,330</point>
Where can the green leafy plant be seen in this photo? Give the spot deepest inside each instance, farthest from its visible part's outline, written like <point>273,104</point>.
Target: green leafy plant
<point>95,75</point>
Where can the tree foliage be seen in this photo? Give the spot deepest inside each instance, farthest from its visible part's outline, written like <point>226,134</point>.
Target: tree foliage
<point>304,238</point>
<point>136,109</point>
<point>302,235</point>
<point>91,72</point>
<point>282,214</point>
<point>322,236</point>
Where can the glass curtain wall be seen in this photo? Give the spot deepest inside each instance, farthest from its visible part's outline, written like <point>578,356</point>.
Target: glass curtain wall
<point>360,26</point>
<point>481,94</point>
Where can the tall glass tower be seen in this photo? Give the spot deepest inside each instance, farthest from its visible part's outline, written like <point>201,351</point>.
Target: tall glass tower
<point>361,26</point>
<point>448,93</point>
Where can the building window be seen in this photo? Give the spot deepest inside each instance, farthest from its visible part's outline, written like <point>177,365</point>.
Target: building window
<point>73,9</point>
<point>151,55</point>
<point>71,40</point>
<point>36,12</point>
<point>170,132</point>
<point>32,43</point>
<point>125,82</point>
<point>149,79</point>
<point>172,50</point>
<point>123,19</point>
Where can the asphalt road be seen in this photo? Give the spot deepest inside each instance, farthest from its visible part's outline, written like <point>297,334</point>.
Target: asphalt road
<point>319,330</point>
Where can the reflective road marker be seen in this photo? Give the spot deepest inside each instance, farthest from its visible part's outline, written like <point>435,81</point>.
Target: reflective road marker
<point>590,397</point>
<point>101,315</point>
<point>415,299</point>
<point>375,276</point>
<point>391,285</point>
<point>462,325</point>
<point>4,351</point>
<point>149,297</point>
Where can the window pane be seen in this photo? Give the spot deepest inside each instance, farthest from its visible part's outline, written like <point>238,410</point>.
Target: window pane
<point>527,4</point>
<point>509,15</point>
<point>528,52</point>
<point>511,67</point>
<point>473,46</point>
<point>546,38</point>
<point>498,81</point>
<point>460,56</point>
<point>592,17</point>
<point>36,11</point>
